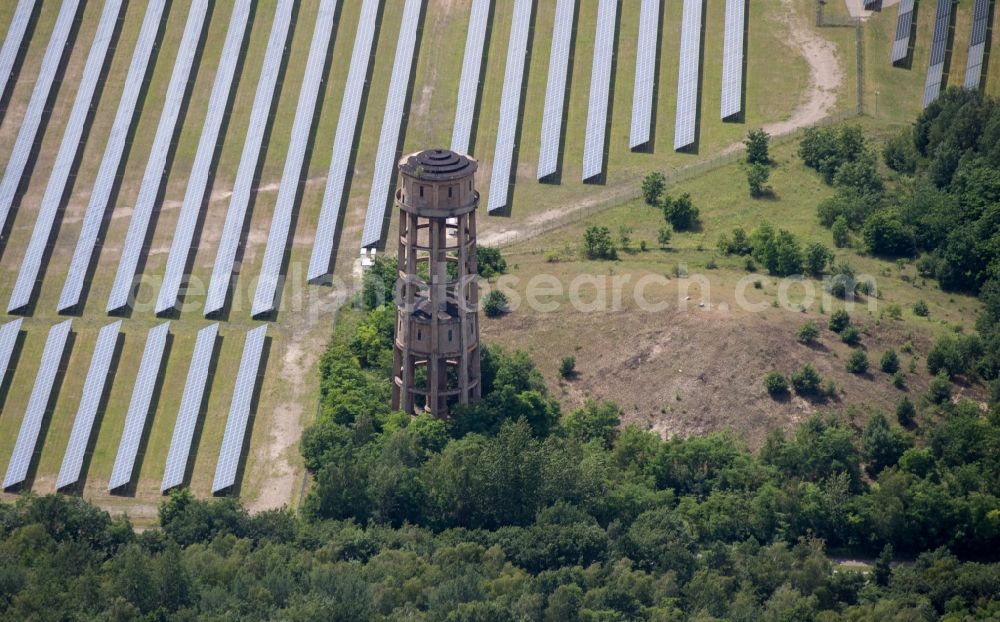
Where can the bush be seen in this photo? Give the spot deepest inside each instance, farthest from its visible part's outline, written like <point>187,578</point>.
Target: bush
<point>807,380</point>
<point>490,262</point>
<point>889,363</point>
<point>906,412</point>
<point>776,384</point>
<point>757,176</point>
<point>808,333</point>
<point>899,153</point>
<point>827,148</point>
<point>757,143</point>
<point>841,283</point>
<point>495,303</point>
<point>955,355</point>
<point>597,243</point>
<point>653,186</point>
<point>779,252</point>
<point>680,212</point>
<point>625,236</point>
<point>898,380</point>
<point>817,259</point>
<point>851,336</point>
<point>885,234</point>
<point>939,389</point>
<point>839,320</point>
<point>567,367</point>
<point>920,308</point>
<point>857,363</point>
<point>663,236</point>
<point>841,232</point>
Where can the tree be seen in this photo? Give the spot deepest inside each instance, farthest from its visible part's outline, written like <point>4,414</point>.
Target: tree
<point>939,389</point>
<point>882,571</point>
<point>653,186</point>
<point>779,252</point>
<point>818,257</point>
<point>625,236</point>
<point>598,244</point>
<point>567,367</point>
<point>757,176</point>
<point>807,381</point>
<point>905,412</point>
<point>495,303</point>
<point>881,445</point>
<point>808,333</point>
<point>920,308</point>
<point>757,144</point>
<point>857,363</point>
<point>595,421</point>
<point>776,384</point>
<point>490,262</point>
<point>663,236</point>
<point>899,153</point>
<point>885,234</point>
<point>839,320</point>
<point>851,335</point>
<point>889,362</point>
<point>841,232</point>
<point>378,285</point>
<point>680,213</point>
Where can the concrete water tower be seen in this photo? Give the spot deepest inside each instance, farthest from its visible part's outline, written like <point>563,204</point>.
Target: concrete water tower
<point>436,355</point>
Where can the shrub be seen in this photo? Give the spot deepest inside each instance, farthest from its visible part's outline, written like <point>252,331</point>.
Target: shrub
<point>680,212</point>
<point>625,236</point>
<point>899,153</point>
<point>757,176</point>
<point>857,363</point>
<point>738,244</point>
<point>920,308</point>
<point>643,246</point>
<point>495,303</point>
<point>894,311</point>
<point>807,380</point>
<point>885,234</point>
<point>776,384</point>
<point>955,355</point>
<point>567,367</point>
<point>663,236</point>
<point>779,251</point>
<point>757,143</point>
<point>490,262</point>
<point>839,320</point>
<point>597,243</point>
<point>817,259</point>
<point>653,186</point>
<point>866,288</point>
<point>841,232</point>
<point>841,282</point>
<point>899,380</point>
<point>850,335</point>
<point>939,389</point>
<point>889,363</point>
<point>905,412</point>
<point>808,333</point>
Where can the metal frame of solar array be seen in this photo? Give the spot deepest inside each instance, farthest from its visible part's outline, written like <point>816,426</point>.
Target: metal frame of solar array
<point>392,121</point>
<point>555,89</point>
<point>194,195</point>
<point>31,424</point>
<point>103,185</point>
<point>904,26</point>
<point>645,70</point>
<point>281,219</point>
<point>732,59</point>
<point>8,338</point>
<point>977,44</point>
<point>71,144</point>
<point>343,142</point>
<point>939,45</point>
<point>90,401</point>
<point>510,104</point>
<point>187,416</point>
<point>239,411</point>
<point>225,255</point>
<point>138,408</point>
<point>15,37</point>
<point>32,119</point>
<point>687,75</point>
<point>468,85</point>
<point>600,85</point>
<point>156,165</point>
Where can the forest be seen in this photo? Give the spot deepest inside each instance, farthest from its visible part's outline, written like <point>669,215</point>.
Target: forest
<point>516,510</point>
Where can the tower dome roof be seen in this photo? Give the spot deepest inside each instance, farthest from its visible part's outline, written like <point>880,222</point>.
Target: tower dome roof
<point>437,165</point>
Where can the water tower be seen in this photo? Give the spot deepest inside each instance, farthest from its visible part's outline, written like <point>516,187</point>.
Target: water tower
<point>436,354</point>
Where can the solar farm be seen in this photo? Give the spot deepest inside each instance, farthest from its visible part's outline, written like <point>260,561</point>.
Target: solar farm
<point>188,186</point>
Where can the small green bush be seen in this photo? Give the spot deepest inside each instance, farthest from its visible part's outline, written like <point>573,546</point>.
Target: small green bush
<point>851,336</point>
<point>939,389</point>
<point>889,362</point>
<point>905,412</point>
<point>808,333</point>
<point>857,363</point>
<point>495,303</point>
<point>807,380</point>
<point>920,308</point>
<point>839,320</point>
<point>776,384</point>
<point>899,380</point>
<point>567,367</point>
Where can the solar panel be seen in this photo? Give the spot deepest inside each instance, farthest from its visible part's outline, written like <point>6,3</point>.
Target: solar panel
<point>239,411</point>
<point>468,85</point>
<point>12,43</point>
<point>113,151</point>
<point>156,166</point>
<point>187,417</point>
<point>600,86</point>
<point>31,425</point>
<point>510,103</point>
<point>71,144</point>
<point>732,59</point>
<point>687,75</point>
<point>26,135</point>
<point>343,142</point>
<point>385,159</point>
<point>281,219</point>
<point>90,401</point>
<point>939,45</point>
<point>8,338</point>
<point>555,89</point>
<point>138,408</point>
<point>225,256</point>
<point>977,44</point>
<point>194,195</point>
<point>904,26</point>
<point>645,74</point>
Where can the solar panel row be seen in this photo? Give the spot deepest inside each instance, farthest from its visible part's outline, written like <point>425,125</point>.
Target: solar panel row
<point>939,45</point>
<point>239,411</point>
<point>15,37</point>
<point>343,142</point>
<point>600,86</point>
<point>281,220</point>
<point>156,165</point>
<point>555,89</point>
<point>687,75</point>
<point>71,144</point>
<point>468,85</point>
<point>645,74</point>
<point>904,26</point>
<point>8,339</point>
<point>31,425</point>
<point>90,401</point>
<point>139,406</point>
<point>187,417</point>
<point>977,44</point>
<point>32,119</point>
<point>104,184</point>
<point>225,256</point>
<point>732,59</point>
<point>392,121</point>
<point>510,103</point>
<point>194,195</point>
